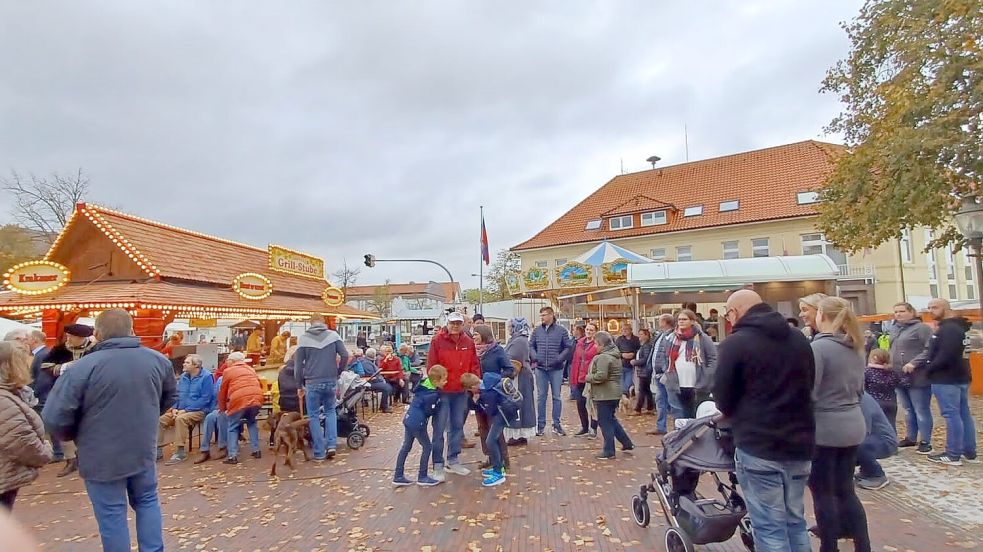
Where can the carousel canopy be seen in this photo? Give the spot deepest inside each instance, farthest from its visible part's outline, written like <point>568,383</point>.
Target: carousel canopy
<point>605,252</point>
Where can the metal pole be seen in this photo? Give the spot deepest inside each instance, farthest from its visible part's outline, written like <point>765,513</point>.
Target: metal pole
<point>481,265</point>
<point>422,261</point>
<point>977,245</point>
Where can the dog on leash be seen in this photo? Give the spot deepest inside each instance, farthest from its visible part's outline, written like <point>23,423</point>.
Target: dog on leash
<point>624,405</point>
<point>292,432</point>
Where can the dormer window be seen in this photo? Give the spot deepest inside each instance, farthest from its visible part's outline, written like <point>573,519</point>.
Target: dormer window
<point>654,218</point>
<point>805,198</point>
<point>620,223</point>
<point>726,206</point>
<point>694,211</point>
<point>593,224</point>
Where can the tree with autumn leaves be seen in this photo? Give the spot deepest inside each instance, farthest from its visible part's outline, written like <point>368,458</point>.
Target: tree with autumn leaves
<point>912,87</point>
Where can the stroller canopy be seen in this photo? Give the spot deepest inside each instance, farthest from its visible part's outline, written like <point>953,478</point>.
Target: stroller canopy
<point>699,446</point>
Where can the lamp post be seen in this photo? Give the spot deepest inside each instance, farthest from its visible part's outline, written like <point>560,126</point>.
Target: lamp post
<point>969,219</point>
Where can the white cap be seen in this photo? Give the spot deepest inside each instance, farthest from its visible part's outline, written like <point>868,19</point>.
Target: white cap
<point>455,317</point>
<point>237,357</point>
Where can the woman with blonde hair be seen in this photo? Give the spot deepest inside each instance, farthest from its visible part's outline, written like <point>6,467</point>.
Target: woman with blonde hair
<point>22,446</point>
<point>838,349</point>
<point>808,308</point>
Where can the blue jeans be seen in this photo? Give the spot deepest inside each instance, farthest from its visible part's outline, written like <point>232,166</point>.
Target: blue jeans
<point>675,404</point>
<point>960,431</point>
<point>316,397</point>
<point>109,506</point>
<point>627,379</point>
<point>917,402</point>
<point>420,435</point>
<point>451,413</point>
<point>662,404</point>
<point>235,420</point>
<point>495,431</point>
<point>774,493</point>
<point>215,423</point>
<point>869,451</point>
<point>551,379</point>
<point>611,428</point>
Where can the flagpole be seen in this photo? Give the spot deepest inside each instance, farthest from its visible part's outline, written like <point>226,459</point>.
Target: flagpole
<point>481,264</point>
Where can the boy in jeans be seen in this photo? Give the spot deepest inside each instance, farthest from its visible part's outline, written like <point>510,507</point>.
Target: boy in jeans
<point>424,405</point>
<point>487,400</point>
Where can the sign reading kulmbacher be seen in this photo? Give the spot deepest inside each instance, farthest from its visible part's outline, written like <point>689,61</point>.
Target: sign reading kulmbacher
<point>292,262</point>
<point>36,277</point>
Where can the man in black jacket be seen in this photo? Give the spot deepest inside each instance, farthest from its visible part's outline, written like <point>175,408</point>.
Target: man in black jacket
<point>763,385</point>
<point>947,369</point>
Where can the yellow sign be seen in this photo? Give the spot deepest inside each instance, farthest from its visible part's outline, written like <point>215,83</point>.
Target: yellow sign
<point>292,262</point>
<point>250,285</point>
<point>36,277</point>
<point>203,322</point>
<point>333,297</point>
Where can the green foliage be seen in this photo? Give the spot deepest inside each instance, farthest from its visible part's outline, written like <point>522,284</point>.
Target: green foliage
<point>505,262</point>
<point>16,246</point>
<point>912,87</point>
<point>382,300</point>
<point>474,296</point>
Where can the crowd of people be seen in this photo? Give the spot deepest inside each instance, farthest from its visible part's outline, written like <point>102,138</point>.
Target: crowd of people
<point>805,406</point>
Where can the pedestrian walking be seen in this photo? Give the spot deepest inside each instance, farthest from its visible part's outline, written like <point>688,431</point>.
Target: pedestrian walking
<point>126,387</point>
<point>605,380</point>
<point>909,353</point>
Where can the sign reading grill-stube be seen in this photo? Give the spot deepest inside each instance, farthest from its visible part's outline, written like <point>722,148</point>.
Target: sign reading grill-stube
<point>292,262</point>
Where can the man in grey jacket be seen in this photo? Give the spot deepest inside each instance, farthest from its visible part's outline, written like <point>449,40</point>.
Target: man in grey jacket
<point>109,402</point>
<point>321,355</point>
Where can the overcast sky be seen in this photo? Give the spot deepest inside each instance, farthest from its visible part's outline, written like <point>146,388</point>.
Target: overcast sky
<point>342,128</point>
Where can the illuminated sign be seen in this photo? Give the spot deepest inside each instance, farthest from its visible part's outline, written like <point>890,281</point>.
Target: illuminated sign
<point>292,262</point>
<point>333,297</point>
<point>250,285</point>
<point>36,277</point>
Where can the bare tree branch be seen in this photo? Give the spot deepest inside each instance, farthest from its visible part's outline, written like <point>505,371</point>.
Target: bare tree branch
<point>44,204</point>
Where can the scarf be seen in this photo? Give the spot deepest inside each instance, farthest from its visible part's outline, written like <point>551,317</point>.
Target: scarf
<point>484,348</point>
<point>684,339</point>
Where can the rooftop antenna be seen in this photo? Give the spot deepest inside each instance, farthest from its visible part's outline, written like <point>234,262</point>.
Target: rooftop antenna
<point>654,159</point>
<point>686,139</point>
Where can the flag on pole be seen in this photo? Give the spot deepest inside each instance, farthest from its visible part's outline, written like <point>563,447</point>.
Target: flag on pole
<point>484,242</point>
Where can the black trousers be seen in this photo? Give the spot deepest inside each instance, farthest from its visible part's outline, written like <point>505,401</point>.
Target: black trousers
<point>838,509</point>
<point>7,499</point>
<point>687,399</point>
<point>578,393</point>
<point>645,399</point>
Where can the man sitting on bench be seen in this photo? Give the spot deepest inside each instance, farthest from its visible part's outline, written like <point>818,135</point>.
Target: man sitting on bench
<point>195,394</point>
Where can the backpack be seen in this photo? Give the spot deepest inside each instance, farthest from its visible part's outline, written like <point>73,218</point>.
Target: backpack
<point>509,401</point>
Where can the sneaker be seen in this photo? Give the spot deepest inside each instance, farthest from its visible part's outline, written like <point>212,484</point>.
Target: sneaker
<point>604,456</point>
<point>580,433</point>
<point>656,432</point>
<point>906,442</point>
<point>629,447</point>
<point>257,454</point>
<point>971,459</point>
<point>492,471</point>
<point>944,458</point>
<point>592,434</point>
<point>331,453</point>
<point>458,469</point>
<point>428,481</point>
<point>493,479</point>
<point>558,429</point>
<point>232,460</point>
<point>873,483</point>
<point>401,481</point>
<point>438,473</point>
<point>540,432</point>
<point>924,448</point>
<point>176,458</point>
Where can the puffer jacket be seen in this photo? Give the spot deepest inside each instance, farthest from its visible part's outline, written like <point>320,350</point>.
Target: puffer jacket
<point>605,374</point>
<point>240,389</point>
<point>22,446</point>
<point>550,346</point>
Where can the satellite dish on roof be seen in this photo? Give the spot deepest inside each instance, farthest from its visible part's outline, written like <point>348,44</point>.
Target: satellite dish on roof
<point>654,159</point>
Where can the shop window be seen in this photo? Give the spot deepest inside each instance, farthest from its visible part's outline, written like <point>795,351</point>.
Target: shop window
<point>654,218</point>
<point>759,247</point>
<point>731,250</point>
<point>684,253</point>
<point>621,223</point>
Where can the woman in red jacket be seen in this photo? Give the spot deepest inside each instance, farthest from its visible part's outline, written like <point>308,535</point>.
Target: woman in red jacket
<point>391,368</point>
<point>584,351</point>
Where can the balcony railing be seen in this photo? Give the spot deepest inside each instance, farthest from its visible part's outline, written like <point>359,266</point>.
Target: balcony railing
<point>856,272</point>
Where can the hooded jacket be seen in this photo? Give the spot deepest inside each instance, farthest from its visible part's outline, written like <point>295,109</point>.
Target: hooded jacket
<point>458,355</point>
<point>836,392</point>
<point>605,374</point>
<point>23,449</point>
<point>909,343</point>
<point>423,407</point>
<point>763,383</point>
<point>110,402</point>
<point>321,355</point>
<point>948,354</point>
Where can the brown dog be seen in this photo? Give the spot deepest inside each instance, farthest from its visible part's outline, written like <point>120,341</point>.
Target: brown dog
<point>292,432</point>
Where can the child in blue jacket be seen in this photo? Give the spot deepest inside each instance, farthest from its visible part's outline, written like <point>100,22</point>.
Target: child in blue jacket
<point>489,400</point>
<point>424,405</point>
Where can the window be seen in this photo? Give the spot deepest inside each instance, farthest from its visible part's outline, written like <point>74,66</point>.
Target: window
<point>560,262</point>
<point>950,263</point>
<point>952,291</point>
<point>805,198</point>
<point>906,252</point>
<point>729,205</point>
<point>593,224</point>
<point>693,211</point>
<point>658,254</point>
<point>542,264</point>
<point>933,270</point>
<point>816,244</point>
<point>684,253</point>
<point>620,223</point>
<point>933,290</point>
<point>654,218</point>
<point>759,247</point>
<point>970,280</point>
<point>731,250</point>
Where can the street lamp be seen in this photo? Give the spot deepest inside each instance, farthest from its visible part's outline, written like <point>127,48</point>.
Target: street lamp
<point>969,219</point>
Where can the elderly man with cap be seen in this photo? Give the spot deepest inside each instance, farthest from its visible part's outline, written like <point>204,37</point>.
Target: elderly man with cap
<point>195,393</point>
<point>75,343</point>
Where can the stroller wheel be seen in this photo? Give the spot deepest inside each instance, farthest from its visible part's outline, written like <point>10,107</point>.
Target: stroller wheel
<point>355,440</point>
<point>640,511</point>
<point>364,429</point>
<point>677,541</point>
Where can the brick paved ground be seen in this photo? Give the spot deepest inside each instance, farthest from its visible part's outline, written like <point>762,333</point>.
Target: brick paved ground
<point>558,498</point>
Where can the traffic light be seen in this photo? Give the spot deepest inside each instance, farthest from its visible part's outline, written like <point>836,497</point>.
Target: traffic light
<point>370,261</point>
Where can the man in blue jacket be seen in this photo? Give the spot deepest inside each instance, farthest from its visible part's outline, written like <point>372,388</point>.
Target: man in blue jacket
<point>550,349</point>
<point>321,355</point>
<point>109,403</point>
<point>195,394</point>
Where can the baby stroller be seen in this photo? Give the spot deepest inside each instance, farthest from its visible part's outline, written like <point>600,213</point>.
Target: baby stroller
<point>704,445</point>
<point>352,389</point>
